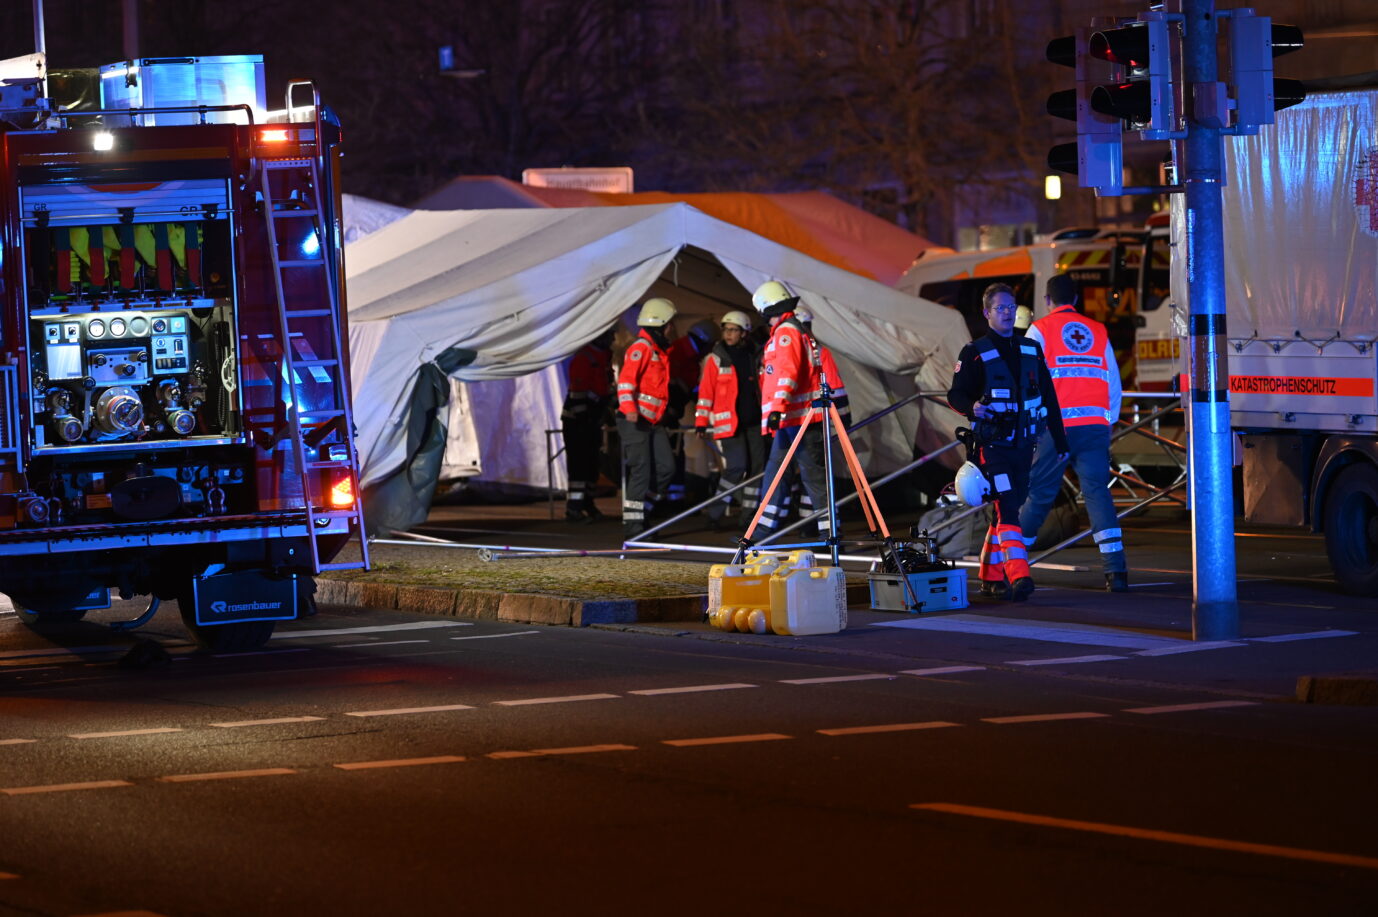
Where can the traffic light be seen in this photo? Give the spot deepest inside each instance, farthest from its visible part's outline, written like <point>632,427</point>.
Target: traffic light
<point>1141,95</point>
<point>1254,42</point>
<point>1097,158</point>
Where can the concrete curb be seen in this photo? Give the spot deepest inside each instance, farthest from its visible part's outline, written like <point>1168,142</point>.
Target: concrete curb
<point>520,607</point>
<point>512,607</point>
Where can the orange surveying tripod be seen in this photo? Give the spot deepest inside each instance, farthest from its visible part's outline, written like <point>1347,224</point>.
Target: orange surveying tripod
<point>891,552</point>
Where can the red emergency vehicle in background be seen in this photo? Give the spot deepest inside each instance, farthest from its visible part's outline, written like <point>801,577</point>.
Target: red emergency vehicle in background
<point>175,417</point>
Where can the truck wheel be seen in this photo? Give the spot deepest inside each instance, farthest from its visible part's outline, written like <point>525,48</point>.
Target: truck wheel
<point>239,637</point>
<point>39,620</point>
<point>1351,528</point>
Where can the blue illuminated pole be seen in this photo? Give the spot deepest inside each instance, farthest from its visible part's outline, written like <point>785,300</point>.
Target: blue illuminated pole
<point>1215,605</point>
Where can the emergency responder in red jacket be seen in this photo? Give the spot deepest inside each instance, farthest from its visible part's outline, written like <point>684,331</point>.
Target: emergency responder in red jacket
<point>1086,375</point>
<point>1001,383</point>
<point>729,410</point>
<point>581,421</point>
<point>792,488</point>
<point>789,385</point>
<point>643,395</point>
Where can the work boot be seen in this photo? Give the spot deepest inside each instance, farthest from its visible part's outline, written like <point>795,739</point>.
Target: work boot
<point>993,589</point>
<point>1023,588</point>
<point>631,531</point>
<point>1117,582</point>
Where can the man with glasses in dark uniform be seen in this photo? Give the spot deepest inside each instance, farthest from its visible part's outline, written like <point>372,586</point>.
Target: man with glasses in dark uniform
<point>1001,383</point>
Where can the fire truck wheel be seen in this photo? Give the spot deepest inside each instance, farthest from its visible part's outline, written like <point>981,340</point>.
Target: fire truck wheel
<point>239,637</point>
<point>1351,528</point>
<point>229,638</point>
<point>41,619</point>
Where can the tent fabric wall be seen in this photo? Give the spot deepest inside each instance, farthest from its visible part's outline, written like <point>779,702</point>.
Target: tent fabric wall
<point>527,288</point>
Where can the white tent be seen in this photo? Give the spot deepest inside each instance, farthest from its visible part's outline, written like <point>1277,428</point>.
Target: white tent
<point>526,288</point>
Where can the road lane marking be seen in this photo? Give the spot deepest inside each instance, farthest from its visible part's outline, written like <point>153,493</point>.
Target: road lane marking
<point>834,679</point>
<point>1313,635</point>
<point>888,727</point>
<point>378,629</point>
<point>1042,717</point>
<point>944,670</point>
<point>350,646</point>
<point>8,875</point>
<point>399,762</point>
<point>691,689</point>
<point>1065,660</point>
<point>1205,705</point>
<point>1086,635</point>
<point>17,741</point>
<point>504,755</point>
<point>581,749</point>
<point>228,775</point>
<point>63,787</point>
<point>123,914</point>
<point>399,711</point>
<point>520,633</point>
<point>726,740</point>
<point>125,732</point>
<point>1151,834</point>
<point>553,700</point>
<point>1146,585</point>
<point>299,649</point>
<point>1189,648</point>
<point>272,722</point>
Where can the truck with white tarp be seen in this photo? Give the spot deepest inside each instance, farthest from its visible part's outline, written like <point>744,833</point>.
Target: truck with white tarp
<point>1301,275</point>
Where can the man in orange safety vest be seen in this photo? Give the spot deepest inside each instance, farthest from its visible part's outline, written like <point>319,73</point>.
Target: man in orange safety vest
<point>1086,376</point>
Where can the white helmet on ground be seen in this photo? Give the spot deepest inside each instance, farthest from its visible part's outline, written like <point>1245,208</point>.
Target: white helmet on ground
<point>738,318</point>
<point>655,313</point>
<point>971,484</point>
<point>772,298</point>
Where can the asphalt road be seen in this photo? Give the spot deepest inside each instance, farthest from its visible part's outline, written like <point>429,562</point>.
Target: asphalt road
<point>1009,759</point>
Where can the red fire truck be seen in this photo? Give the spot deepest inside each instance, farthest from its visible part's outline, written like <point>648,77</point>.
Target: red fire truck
<point>175,417</point>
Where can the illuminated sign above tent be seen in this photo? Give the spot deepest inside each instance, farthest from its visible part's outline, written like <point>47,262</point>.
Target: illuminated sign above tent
<point>613,179</point>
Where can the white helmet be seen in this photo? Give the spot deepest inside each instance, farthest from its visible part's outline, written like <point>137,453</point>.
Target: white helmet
<point>803,313</point>
<point>1023,317</point>
<point>655,313</point>
<point>738,318</point>
<point>773,298</point>
<point>971,484</point>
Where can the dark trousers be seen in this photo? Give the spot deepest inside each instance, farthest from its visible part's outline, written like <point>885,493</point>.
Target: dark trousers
<point>1090,456</point>
<point>645,452</point>
<point>1004,556</point>
<point>583,435</point>
<point>809,459</point>
<point>745,455</point>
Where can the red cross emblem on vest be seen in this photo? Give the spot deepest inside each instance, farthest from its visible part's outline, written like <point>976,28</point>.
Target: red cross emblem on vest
<point>1077,337</point>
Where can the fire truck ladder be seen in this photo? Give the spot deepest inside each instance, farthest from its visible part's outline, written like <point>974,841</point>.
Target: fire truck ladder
<point>338,411</point>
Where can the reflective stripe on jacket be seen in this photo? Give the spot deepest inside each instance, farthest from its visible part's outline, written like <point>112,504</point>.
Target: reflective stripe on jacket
<point>1082,363</point>
<point>789,374</point>
<point>717,404</point>
<point>643,384</point>
<point>1012,418</point>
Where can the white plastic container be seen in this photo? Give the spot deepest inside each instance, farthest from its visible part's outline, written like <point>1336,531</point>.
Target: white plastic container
<point>811,600</point>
